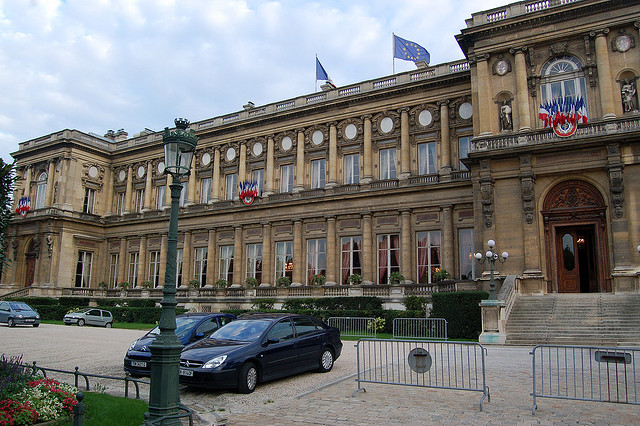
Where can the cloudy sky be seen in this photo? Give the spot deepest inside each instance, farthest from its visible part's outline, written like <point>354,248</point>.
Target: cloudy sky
<point>95,65</point>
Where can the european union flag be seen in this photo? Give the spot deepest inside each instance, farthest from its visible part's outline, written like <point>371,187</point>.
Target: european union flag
<point>321,74</point>
<point>409,51</point>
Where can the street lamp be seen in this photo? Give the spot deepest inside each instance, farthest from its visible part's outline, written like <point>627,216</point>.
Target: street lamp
<point>492,257</point>
<point>164,400</point>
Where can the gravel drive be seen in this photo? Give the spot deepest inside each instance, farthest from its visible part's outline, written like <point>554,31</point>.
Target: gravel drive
<point>101,351</point>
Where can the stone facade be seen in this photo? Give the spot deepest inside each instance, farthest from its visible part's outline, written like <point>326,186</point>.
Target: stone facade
<point>408,173</point>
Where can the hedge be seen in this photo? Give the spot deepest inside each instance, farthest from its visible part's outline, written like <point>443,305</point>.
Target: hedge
<point>462,312</point>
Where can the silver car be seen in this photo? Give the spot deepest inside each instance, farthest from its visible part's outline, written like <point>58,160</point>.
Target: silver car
<point>91,316</point>
<point>14,313</point>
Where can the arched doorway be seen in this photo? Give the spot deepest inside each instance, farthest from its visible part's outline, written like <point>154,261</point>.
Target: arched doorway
<point>31,257</point>
<point>575,239</point>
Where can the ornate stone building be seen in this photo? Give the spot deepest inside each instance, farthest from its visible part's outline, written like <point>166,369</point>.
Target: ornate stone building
<point>409,174</point>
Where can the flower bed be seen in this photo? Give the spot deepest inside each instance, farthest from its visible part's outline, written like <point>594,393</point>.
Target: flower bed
<point>27,398</point>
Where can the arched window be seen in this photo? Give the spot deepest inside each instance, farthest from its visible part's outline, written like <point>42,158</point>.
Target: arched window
<point>563,77</point>
<point>41,190</point>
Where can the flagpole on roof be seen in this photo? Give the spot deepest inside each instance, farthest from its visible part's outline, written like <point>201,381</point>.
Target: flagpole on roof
<point>316,64</point>
<point>393,51</point>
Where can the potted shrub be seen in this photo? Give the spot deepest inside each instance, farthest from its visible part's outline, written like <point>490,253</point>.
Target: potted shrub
<point>441,275</point>
<point>283,282</point>
<point>251,282</point>
<point>355,279</point>
<point>317,280</point>
<point>123,285</point>
<point>396,278</point>
<point>146,284</point>
<point>193,284</point>
<point>220,283</point>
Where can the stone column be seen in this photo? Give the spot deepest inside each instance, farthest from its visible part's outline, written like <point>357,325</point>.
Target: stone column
<point>48,201</point>
<point>332,265</point>
<point>122,261</point>
<point>267,261</point>
<point>187,250</point>
<point>238,258</point>
<point>368,152</point>
<point>368,255</point>
<point>142,261</point>
<point>405,161</point>
<point>163,260</point>
<point>447,239</point>
<point>191,183</point>
<point>299,260</point>
<point>604,74</point>
<point>108,183</point>
<point>445,142</point>
<point>148,188</point>
<point>531,241</point>
<point>268,185</point>
<point>27,182</point>
<point>484,94</point>
<point>128,194</point>
<point>215,181</point>
<point>522,91</point>
<point>63,188</point>
<point>333,156</point>
<point>167,192</point>
<point>299,178</point>
<point>405,244</point>
<point>211,256</point>
<point>242,166</point>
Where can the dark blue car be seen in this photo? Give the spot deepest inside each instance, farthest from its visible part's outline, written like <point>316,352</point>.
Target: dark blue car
<point>189,328</point>
<point>259,347</point>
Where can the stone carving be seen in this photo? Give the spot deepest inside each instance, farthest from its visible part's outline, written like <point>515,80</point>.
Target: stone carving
<point>527,188</point>
<point>506,122</point>
<point>50,244</point>
<point>572,197</point>
<point>486,192</point>
<point>616,187</point>
<point>14,244</point>
<point>629,95</point>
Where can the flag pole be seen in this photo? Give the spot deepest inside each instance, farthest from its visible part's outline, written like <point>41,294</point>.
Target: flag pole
<point>393,51</point>
<point>316,65</point>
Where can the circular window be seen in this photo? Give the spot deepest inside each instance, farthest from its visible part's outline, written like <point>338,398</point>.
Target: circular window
<point>425,118</point>
<point>465,111</point>
<point>160,167</point>
<point>386,125</point>
<point>231,154</point>
<point>351,131</point>
<point>286,143</point>
<point>122,175</point>
<point>257,149</point>
<point>140,171</point>
<point>93,172</point>
<point>206,159</point>
<point>317,137</point>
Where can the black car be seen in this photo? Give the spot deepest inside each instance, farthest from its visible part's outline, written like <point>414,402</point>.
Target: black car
<point>259,347</point>
<point>189,328</point>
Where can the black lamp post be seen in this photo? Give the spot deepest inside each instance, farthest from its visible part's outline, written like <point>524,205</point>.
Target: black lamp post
<point>492,257</point>
<point>164,400</point>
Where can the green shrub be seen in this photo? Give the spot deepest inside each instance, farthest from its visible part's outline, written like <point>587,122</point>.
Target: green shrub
<point>462,312</point>
<point>73,302</point>
<point>35,300</point>
<point>141,303</point>
<point>416,303</point>
<point>263,304</point>
<point>52,312</point>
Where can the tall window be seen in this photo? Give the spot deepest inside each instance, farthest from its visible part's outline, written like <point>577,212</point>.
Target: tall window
<point>179,258</point>
<point>89,200</point>
<point>231,187</point>
<point>254,261</point>
<point>351,168</point>
<point>41,190</point>
<point>160,196</point>
<point>388,257</point>
<point>351,257</point>
<point>113,270</point>
<point>427,158</point>
<point>467,259</point>
<point>463,150</point>
<point>183,194</point>
<point>133,269</point>
<point>200,265</point>
<point>317,173</point>
<point>428,255</point>
<point>83,269</point>
<point>284,259</point>
<point>316,258</point>
<point>563,77</point>
<point>286,178</point>
<point>120,203</point>
<point>388,163</point>
<point>225,272</point>
<point>258,176</point>
<point>154,268</point>
<point>205,190</point>
<point>139,200</point>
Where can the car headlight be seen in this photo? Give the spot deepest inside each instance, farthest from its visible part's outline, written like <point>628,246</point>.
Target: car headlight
<point>131,346</point>
<point>20,316</point>
<point>215,362</point>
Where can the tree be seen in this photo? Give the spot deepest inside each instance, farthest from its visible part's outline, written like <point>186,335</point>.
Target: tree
<point>7,183</point>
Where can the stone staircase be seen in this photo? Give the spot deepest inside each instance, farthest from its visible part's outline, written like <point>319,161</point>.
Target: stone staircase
<point>599,319</point>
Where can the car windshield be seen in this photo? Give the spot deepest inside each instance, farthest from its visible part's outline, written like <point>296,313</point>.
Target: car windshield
<point>16,306</point>
<point>242,330</point>
<point>184,326</point>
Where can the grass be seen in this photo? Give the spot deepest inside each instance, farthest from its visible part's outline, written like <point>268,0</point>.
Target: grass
<point>103,409</point>
<point>125,325</point>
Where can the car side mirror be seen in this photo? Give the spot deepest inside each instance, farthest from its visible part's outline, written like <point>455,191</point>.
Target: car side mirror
<point>271,340</point>
<point>198,336</point>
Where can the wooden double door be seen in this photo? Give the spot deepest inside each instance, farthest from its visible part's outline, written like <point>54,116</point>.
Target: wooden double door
<point>576,259</point>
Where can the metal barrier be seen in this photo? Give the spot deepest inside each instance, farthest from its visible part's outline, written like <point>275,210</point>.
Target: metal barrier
<point>354,326</point>
<point>433,364</point>
<point>585,373</point>
<point>420,328</point>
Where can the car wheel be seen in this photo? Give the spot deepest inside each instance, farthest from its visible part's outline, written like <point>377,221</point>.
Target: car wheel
<point>35,325</point>
<point>107,325</point>
<point>11,322</point>
<point>326,360</point>
<point>80,322</point>
<point>247,378</point>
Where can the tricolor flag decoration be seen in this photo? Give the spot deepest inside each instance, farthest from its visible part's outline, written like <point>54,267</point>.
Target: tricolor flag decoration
<point>562,111</point>
<point>24,203</point>
<point>248,191</point>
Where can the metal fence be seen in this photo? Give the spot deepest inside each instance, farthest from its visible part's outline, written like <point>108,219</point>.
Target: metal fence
<point>354,326</point>
<point>420,328</point>
<point>585,373</point>
<point>433,364</point>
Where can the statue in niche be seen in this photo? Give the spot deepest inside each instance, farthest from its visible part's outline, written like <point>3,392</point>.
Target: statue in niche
<point>628,93</point>
<point>506,122</point>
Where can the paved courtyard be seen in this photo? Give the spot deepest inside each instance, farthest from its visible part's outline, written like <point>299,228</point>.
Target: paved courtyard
<point>326,399</point>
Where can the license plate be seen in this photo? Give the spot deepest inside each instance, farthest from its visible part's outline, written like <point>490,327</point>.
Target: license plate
<point>142,364</point>
<point>29,320</point>
<point>185,372</point>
